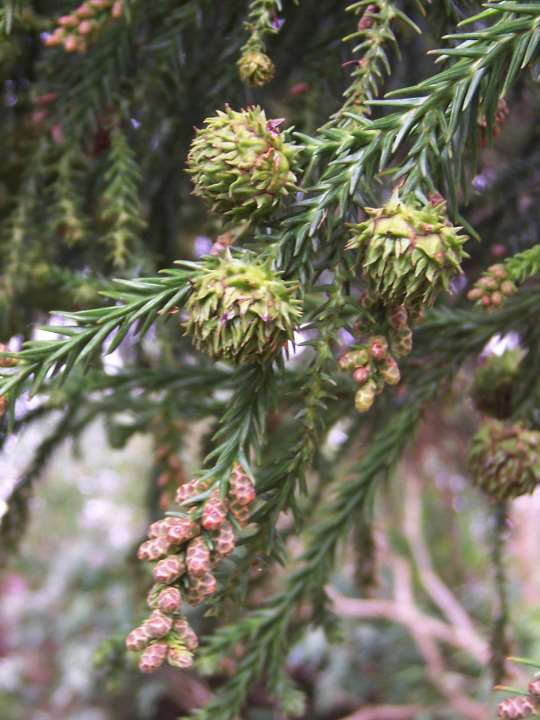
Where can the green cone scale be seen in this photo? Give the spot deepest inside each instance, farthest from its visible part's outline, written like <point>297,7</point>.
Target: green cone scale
<point>505,460</point>
<point>241,311</point>
<point>409,251</point>
<point>241,164</point>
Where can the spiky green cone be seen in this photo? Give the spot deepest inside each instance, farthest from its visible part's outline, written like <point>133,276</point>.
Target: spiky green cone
<point>256,68</point>
<point>240,311</point>
<point>505,460</point>
<point>241,165</point>
<point>494,383</point>
<point>409,252</point>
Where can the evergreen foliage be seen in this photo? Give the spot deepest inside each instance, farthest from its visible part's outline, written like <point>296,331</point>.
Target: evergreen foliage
<point>337,233</point>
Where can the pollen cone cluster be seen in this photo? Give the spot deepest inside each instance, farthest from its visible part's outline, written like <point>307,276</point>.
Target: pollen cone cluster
<point>81,27</point>
<point>184,548</point>
<point>409,251</point>
<point>241,165</point>
<point>517,708</point>
<point>373,361</point>
<point>239,311</point>
<point>492,288</point>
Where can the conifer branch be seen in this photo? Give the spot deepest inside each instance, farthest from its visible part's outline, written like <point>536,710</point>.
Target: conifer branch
<point>122,211</point>
<point>141,301</point>
<point>374,34</point>
<point>67,212</point>
<point>266,633</point>
<point>262,21</point>
<point>524,265</point>
<point>436,121</point>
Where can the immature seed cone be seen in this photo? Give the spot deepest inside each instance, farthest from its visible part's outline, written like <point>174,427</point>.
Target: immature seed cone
<point>505,460</point>
<point>494,383</point>
<point>241,311</point>
<point>516,708</point>
<point>408,251</point>
<point>256,68</point>
<point>241,165</point>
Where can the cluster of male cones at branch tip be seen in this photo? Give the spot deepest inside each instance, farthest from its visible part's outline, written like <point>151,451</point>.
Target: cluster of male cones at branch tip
<point>373,364</point>
<point>79,28</point>
<point>241,164</point>
<point>492,288</point>
<point>522,706</point>
<point>241,311</point>
<point>185,548</point>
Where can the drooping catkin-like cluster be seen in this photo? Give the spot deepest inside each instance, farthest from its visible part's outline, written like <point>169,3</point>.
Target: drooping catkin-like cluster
<point>241,165</point>
<point>185,548</point>
<point>408,251</point>
<point>80,28</point>
<point>505,460</point>
<point>492,288</point>
<point>373,361</point>
<point>239,311</point>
